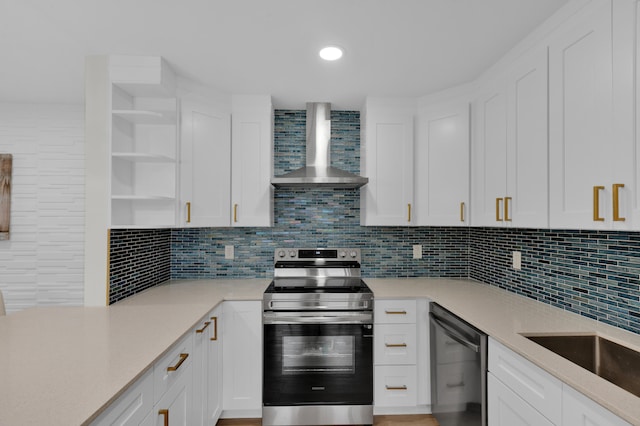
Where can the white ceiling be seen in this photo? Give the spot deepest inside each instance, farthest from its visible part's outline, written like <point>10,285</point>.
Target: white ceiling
<point>392,47</point>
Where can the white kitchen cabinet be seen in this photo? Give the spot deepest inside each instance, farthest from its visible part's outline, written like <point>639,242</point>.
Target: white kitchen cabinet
<point>205,166</point>
<point>201,365</point>
<point>215,369</point>
<point>578,410</point>
<point>442,165</point>
<point>251,161</point>
<point>506,408</point>
<point>132,407</point>
<point>387,159</point>
<point>144,143</point>
<point>401,357</point>
<point>242,359</point>
<point>511,147</point>
<point>174,408</point>
<point>592,146</point>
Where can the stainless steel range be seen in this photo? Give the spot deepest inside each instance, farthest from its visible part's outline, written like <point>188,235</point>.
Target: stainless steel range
<point>318,340</point>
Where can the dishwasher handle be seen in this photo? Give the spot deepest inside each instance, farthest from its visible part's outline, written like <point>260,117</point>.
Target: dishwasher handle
<point>453,333</point>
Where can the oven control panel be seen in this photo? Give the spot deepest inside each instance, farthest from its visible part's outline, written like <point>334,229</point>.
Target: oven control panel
<point>302,254</point>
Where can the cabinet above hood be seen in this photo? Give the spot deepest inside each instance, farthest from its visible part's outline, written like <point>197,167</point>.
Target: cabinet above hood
<point>318,173</point>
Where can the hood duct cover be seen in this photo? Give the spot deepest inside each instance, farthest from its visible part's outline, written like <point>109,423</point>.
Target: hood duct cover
<point>318,172</point>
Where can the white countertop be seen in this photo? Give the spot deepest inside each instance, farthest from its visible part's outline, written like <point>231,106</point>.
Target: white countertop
<point>63,365</point>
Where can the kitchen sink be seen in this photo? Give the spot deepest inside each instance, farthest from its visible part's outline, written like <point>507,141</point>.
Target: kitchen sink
<point>613,362</point>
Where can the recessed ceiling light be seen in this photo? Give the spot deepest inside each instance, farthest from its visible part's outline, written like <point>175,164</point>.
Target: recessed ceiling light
<point>331,53</point>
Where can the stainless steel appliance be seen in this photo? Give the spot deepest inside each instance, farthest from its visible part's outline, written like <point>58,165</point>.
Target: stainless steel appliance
<point>318,340</point>
<point>458,370</point>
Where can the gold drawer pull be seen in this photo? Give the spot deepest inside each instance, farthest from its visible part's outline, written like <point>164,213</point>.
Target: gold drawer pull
<point>396,345</point>
<point>462,211</point>
<point>215,328</point>
<point>403,387</point>
<point>188,211</point>
<point>596,204</point>
<point>616,202</point>
<point>395,312</point>
<point>183,358</point>
<point>498,201</point>
<point>164,413</point>
<point>235,213</point>
<point>506,209</point>
<point>204,327</point>
<point>409,212</point>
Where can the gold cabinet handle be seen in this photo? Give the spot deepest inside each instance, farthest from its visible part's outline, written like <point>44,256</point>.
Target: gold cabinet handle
<point>204,327</point>
<point>403,387</point>
<point>395,345</point>
<point>188,211</point>
<point>498,201</point>
<point>183,358</point>
<point>164,413</point>
<point>616,202</point>
<point>462,211</point>
<point>409,212</point>
<point>395,312</point>
<point>506,209</point>
<point>215,328</point>
<point>235,213</point>
<point>596,204</point>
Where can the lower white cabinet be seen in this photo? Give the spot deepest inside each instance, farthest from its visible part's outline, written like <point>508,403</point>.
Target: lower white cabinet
<point>174,408</point>
<point>242,358</point>
<point>214,373</point>
<point>521,393</point>
<point>401,357</point>
<point>133,407</point>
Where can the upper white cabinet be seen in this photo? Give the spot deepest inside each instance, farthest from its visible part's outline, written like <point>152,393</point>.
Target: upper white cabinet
<point>387,152</point>
<point>442,164</point>
<point>251,161</point>
<point>510,147</point>
<point>205,166</point>
<point>144,142</point>
<point>593,157</point>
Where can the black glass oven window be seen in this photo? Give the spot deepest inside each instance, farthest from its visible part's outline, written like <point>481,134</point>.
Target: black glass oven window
<point>326,354</point>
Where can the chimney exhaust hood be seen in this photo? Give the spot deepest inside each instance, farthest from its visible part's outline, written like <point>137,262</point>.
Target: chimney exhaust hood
<point>318,172</point>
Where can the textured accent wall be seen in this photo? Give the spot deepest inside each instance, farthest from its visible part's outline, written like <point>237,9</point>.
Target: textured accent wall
<point>139,259</point>
<point>593,273</point>
<point>318,218</point>
<point>42,263</point>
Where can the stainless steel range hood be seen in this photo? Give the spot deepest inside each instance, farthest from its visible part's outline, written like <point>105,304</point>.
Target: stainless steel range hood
<point>318,172</point>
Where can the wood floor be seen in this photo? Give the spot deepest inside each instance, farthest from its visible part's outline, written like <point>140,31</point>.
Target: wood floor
<point>407,420</point>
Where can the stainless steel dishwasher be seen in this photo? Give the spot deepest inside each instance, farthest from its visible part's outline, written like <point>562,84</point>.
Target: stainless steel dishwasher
<point>458,370</point>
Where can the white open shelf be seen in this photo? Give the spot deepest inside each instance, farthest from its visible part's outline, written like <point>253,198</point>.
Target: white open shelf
<point>146,117</point>
<point>143,157</point>
<point>142,197</point>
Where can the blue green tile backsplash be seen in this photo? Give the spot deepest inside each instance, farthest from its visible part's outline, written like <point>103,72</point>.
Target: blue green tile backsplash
<point>593,273</point>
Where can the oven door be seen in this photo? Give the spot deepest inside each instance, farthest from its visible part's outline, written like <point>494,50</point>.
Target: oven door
<point>315,363</point>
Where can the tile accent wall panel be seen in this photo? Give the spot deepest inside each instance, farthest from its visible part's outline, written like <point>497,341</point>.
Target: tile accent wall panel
<point>593,273</point>
<point>139,259</point>
<point>43,261</point>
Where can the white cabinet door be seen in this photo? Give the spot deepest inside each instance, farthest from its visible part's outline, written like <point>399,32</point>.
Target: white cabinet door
<point>490,157</point>
<point>442,165</point>
<point>252,161</point>
<point>526,201</point>
<point>205,166</point>
<point>387,152</point>
<point>174,408</point>
<point>580,126</point>
<point>214,372</point>
<point>200,362</point>
<point>132,407</point>
<point>578,410</point>
<point>505,408</point>
<point>242,358</point>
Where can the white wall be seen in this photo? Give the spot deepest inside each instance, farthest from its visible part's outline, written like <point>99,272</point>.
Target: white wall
<point>42,263</point>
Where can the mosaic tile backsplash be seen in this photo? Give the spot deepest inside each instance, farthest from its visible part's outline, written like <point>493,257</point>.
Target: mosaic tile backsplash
<point>593,273</point>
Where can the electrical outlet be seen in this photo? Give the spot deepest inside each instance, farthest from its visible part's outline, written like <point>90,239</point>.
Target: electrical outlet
<point>228,252</point>
<point>517,260</point>
<point>417,251</point>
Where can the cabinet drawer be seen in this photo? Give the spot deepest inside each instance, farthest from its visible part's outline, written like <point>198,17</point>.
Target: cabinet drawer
<point>395,386</point>
<point>505,408</point>
<point>395,344</point>
<point>530,382</point>
<point>168,369</point>
<point>395,311</point>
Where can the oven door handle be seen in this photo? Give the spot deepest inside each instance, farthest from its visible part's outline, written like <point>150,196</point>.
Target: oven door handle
<point>453,333</point>
<point>279,318</point>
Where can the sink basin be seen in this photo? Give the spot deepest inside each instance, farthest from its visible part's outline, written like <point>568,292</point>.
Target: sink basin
<point>613,362</point>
